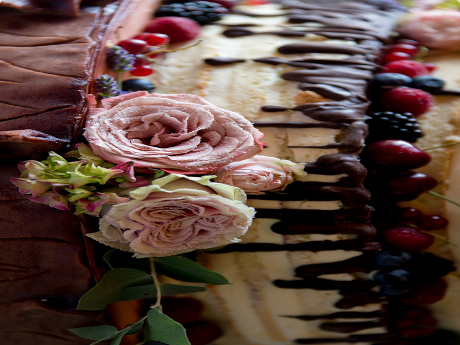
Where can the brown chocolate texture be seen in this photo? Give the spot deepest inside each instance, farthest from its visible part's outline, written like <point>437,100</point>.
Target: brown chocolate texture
<point>62,7</point>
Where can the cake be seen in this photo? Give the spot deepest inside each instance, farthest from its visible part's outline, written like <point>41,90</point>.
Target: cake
<point>302,273</point>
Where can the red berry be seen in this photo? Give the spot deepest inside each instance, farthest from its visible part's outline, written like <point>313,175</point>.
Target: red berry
<point>133,46</point>
<point>407,67</point>
<point>202,332</point>
<point>142,71</point>
<point>404,323</point>
<point>153,39</point>
<point>406,100</point>
<point>408,185</point>
<point>417,332</point>
<point>430,66</point>
<point>417,312</point>
<point>433,222</point>
<point>178,29</point>
<point>407,41</point>
<point>397,154</point>
<point>427,293</point>
<point>409,213</point>
<point>403,48</point>
<point>395,56</point>
<point>141,60</point>
<point>408,239</point>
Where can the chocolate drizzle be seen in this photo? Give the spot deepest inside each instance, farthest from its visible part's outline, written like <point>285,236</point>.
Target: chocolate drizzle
<point>343,82</point>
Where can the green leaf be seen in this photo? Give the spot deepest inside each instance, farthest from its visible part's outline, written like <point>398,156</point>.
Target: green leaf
<point>165,329</point>
<point>186,270</point>
<point>101,332</point>
<point>110,288</point>
<point>107,257</point>
<point>132,329</point>
<point>135,328</point>
<point>150,291</point>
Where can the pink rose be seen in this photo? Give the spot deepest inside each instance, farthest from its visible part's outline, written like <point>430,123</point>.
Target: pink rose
<point>179,133</point>
<point>260,173</point>
<point>437,29</point>
<point>176,214</point>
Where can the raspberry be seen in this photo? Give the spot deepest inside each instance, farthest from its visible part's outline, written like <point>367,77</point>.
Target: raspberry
<point>427,293</point>
<point>408,67</point>
<point>406,100</point>
<point>178,29</point>
<point>408,239</point>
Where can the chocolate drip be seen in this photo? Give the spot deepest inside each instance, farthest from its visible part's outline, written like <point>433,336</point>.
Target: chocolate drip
<point>351,327</point>
<point>299,63</point>
<point>355,338</point>
<point>273,108</point>
<point>341,315</point>
<point>326,284</point>
<point>355,299</point>
<point>447,92</point>
<point>221,61</point>
<point>315,217</point>
<point>343,72</point>
<point>331,125</point>
<point>313,246</point>
<point>237,31</point>
<point>329,91</point>
<point>361,263</point>
<point>314,47</point>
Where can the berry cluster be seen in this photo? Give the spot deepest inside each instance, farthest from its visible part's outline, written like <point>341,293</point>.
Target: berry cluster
<point>411,278</point>
<point>404,85</point>
<point>203,12</point>
<point>390,125</point>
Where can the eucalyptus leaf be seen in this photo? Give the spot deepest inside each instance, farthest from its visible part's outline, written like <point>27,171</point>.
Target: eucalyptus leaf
<point>107,257</point>
<point>101,332</point>
<point>150,291</point>
<point>110,288</point>
<point>135,328</point>
<point>183,269</point>
<point>129,330</point>
<point>164,329</point>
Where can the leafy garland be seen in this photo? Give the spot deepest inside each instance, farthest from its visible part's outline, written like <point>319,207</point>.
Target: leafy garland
<point>127,284</point>
<point>86,185</point>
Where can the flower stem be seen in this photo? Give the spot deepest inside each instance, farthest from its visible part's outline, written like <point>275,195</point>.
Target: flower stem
<point>443,197</point>
<point>440,146</point>
<point>153,273</point>
<point>120,84</point>
<point>172,50</point>
<point>445,239</point>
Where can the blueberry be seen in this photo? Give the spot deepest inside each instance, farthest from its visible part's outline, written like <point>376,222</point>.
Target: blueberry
<point>394,277</point>
<point>394,290</point>
<point>391,79</point>
<point>392,258</point>
<point>441,337</point>
<point>427,83</point>
<point>138,85</point>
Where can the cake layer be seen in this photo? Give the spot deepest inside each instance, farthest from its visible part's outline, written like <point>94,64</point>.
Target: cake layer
<point>300,74</point>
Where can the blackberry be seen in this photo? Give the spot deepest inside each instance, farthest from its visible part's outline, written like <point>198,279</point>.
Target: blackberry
<point>203,12</point>
<point>389,125</point>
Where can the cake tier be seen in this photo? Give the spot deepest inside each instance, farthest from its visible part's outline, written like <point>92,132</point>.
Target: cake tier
<point>300,74</point>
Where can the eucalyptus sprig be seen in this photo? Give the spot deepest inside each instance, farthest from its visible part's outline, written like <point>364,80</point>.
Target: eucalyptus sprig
<point>83,184</point>
<point>125,284</point>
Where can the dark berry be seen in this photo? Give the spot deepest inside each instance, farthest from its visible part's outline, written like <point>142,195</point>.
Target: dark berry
<point>397,155</point>
<point>430,66</point>
<point>393,283</point>
<point>403,48</point>
<point>133,46</point>
<point>138,85</point>
<point>395,56</point>
<point>427,266</point>
<point>406,238</point>
<point>442,337</point>
<point>203,12</point>
<point>389,125</point>
<point>141,60</point>
<point>153,39</point>
<point>391,79</point>
<point>427,293</point>
<point>392,258</point>
<point>427,83</point>
<point>408,185</point>
<point>408,67</point>
<point>406,99</point>
<point>411,214</point>
<point>142,71</point>
<point>433,222</point>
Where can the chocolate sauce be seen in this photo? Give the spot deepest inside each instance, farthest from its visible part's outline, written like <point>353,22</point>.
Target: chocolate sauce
<point>344,83</point>
<point>221,61</point>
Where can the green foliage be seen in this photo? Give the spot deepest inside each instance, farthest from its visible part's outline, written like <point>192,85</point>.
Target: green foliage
<point>102,332</point>
<point>164,329</point>
<point>110,288</point>
<point>183,269</point>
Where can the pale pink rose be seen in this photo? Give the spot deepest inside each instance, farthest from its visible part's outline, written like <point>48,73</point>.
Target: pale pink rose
<point>178,133</point>
<point>260,173</point>
<point>435,29</point>
<point>176,214</point>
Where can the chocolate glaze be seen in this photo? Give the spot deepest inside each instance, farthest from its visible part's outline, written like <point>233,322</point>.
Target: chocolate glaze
<point>345,83</point>
<point>220,61</point>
